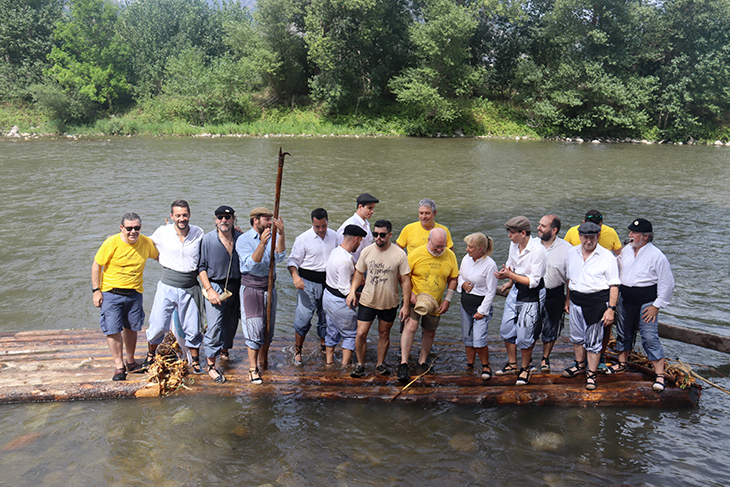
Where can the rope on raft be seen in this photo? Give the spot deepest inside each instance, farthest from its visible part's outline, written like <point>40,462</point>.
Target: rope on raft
<point>168,368</point>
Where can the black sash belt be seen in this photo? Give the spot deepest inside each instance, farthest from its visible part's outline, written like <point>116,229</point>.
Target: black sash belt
<point>335,292</point>
<point>123,291</point>
<point>555,291</point>
<point>638,295</point>
<point>314,276</point>
<point>471,302</point>
<point>526,294</point>
<point>593,304</point>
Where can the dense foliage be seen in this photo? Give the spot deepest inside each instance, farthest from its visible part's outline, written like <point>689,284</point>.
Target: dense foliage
<point>598,68</point>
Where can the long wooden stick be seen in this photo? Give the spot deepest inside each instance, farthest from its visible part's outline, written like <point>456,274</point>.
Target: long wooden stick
<point>272,261</point>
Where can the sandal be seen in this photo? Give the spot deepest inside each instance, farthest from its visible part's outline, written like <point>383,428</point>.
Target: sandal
<point>134,368</point>
<point>590,380</point>
<point>486,372</point>
<point>148,361</point>
<point>616,368</point>
<point>297,351</point>
<point>254,376</point>
<point>224,355</point>
<point>510,368</point>
<point>120,374</point>
<point>545,365</point>
<point>523,378</point>
<point>469,367</point>
<point>574,371</point>
<point>195,366</point>
<point>659,386</point>
<point>220,378</point>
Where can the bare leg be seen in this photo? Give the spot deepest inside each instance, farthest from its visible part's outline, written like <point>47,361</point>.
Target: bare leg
<point>511,352</point>
<point>115,344</point>
<point>129,338</point>
<point>547,347</point>
<point>580,352</point>
<point>426,343</point>
<point>471,355</point>
<point>526,357</point>
<point>298,342</point>
<point>330,355</point>
<point>253,356</point>
<point>593,359</point>
<point>658,366</point>
<point>363,327</point>
<point>483,355</point>
<point>383,339</point>
<point>406,339</point>
<point>346,356</point>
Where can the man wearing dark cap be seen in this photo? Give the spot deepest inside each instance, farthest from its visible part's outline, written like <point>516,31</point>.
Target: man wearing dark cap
<point>220,276</point>
<point>365,209</point>
<point>306,264</point>
<point>591,302</point>
<point>646,286</point>
<point>607,239</point>
<point>525,269</point>
<point>386,266</point>
<point>341,318</point>
<point>254,256</point>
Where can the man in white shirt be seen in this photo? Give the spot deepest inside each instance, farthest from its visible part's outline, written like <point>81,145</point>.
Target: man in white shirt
<point>525,268</point>
<point>591,303</point>
<point>646,286</point>
<point>341,318</point>
<point>552,297</point>
<point>306,264</point>
<point>178,289</point>
<point>365,209</point>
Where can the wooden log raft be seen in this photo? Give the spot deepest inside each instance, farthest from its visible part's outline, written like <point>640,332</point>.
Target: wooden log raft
<point>68,365</point>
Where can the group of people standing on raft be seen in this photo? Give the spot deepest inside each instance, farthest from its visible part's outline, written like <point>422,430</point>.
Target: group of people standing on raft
<point>351,276</point>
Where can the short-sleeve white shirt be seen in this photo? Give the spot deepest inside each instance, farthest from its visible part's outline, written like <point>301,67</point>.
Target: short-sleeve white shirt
<point>174,254</point>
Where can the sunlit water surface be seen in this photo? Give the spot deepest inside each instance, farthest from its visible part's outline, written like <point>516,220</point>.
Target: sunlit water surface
<point>61,198</point>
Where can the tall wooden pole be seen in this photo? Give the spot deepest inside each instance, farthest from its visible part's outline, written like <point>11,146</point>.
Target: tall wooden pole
<point>272,261</point>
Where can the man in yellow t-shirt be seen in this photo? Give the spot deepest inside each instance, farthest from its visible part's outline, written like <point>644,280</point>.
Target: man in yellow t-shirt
<point>433,269</point>
<point>116,281</point>
<point>608,238</point>
<point>415,234</point>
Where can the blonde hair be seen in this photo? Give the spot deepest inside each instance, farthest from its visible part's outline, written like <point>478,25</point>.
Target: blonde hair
<point>481,241</point>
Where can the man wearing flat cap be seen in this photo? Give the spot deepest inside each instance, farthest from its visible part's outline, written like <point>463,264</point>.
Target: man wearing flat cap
<point>646,286</point>
<point>341,318</point>
<point>591,302</point>
<point>525,269</point>
<point>365,209</point>
<point>220,276</point>
<point>254,256</point>
<point>306,264</point>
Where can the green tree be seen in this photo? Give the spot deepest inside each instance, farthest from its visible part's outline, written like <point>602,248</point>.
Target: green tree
<point>355,47</point>
<point>443,70</point>
<point>90,57</point>
<point>26,39</point>
<point>157,30</point>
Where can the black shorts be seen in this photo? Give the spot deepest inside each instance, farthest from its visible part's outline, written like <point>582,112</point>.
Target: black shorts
<point>368,314</point>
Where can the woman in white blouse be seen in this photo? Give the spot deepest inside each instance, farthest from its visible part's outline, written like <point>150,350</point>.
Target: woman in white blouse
<point>478,285</point>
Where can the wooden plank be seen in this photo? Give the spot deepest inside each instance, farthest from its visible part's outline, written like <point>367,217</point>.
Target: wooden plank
<point>695,337</point>
<point>67,365</point>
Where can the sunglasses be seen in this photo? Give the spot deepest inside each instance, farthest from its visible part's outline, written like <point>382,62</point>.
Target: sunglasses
<point>380,234</point>
<point>135,228</point>
<point>224,217</point>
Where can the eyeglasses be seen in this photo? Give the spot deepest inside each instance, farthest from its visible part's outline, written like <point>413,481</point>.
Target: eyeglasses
<point>136,228</point>
<point>224,217</point>
<point>380,234</point>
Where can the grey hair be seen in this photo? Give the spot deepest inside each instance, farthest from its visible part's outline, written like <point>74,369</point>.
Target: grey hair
<point>651,236</point>
<point>428,202</point>
<point>130,217</point>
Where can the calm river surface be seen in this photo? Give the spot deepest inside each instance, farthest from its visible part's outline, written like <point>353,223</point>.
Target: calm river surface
<point>61,198</point>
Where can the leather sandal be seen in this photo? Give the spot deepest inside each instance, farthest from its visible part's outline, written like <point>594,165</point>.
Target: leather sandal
<point>486,372</point>
<point>120,374</point>
<point>659,386</point>
<point>575,370</point>
<point>616,368</point>
<point>148,361</point>
<point>523,378</point>
<point>590,380</point>
<point>545,365</point>
<point>254,376</point>
<point>195,366</point>
<point>297,351</point>
<point>220,378</point>
<point>508,369</point>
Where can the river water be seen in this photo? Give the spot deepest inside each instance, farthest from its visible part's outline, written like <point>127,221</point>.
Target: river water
<point>62,197</point>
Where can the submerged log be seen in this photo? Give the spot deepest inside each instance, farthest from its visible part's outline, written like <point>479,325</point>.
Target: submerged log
<point>69,365</point>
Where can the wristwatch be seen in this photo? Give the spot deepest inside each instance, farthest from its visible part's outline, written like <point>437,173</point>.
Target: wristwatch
<point>612,307</point>
<point>94,290</point>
